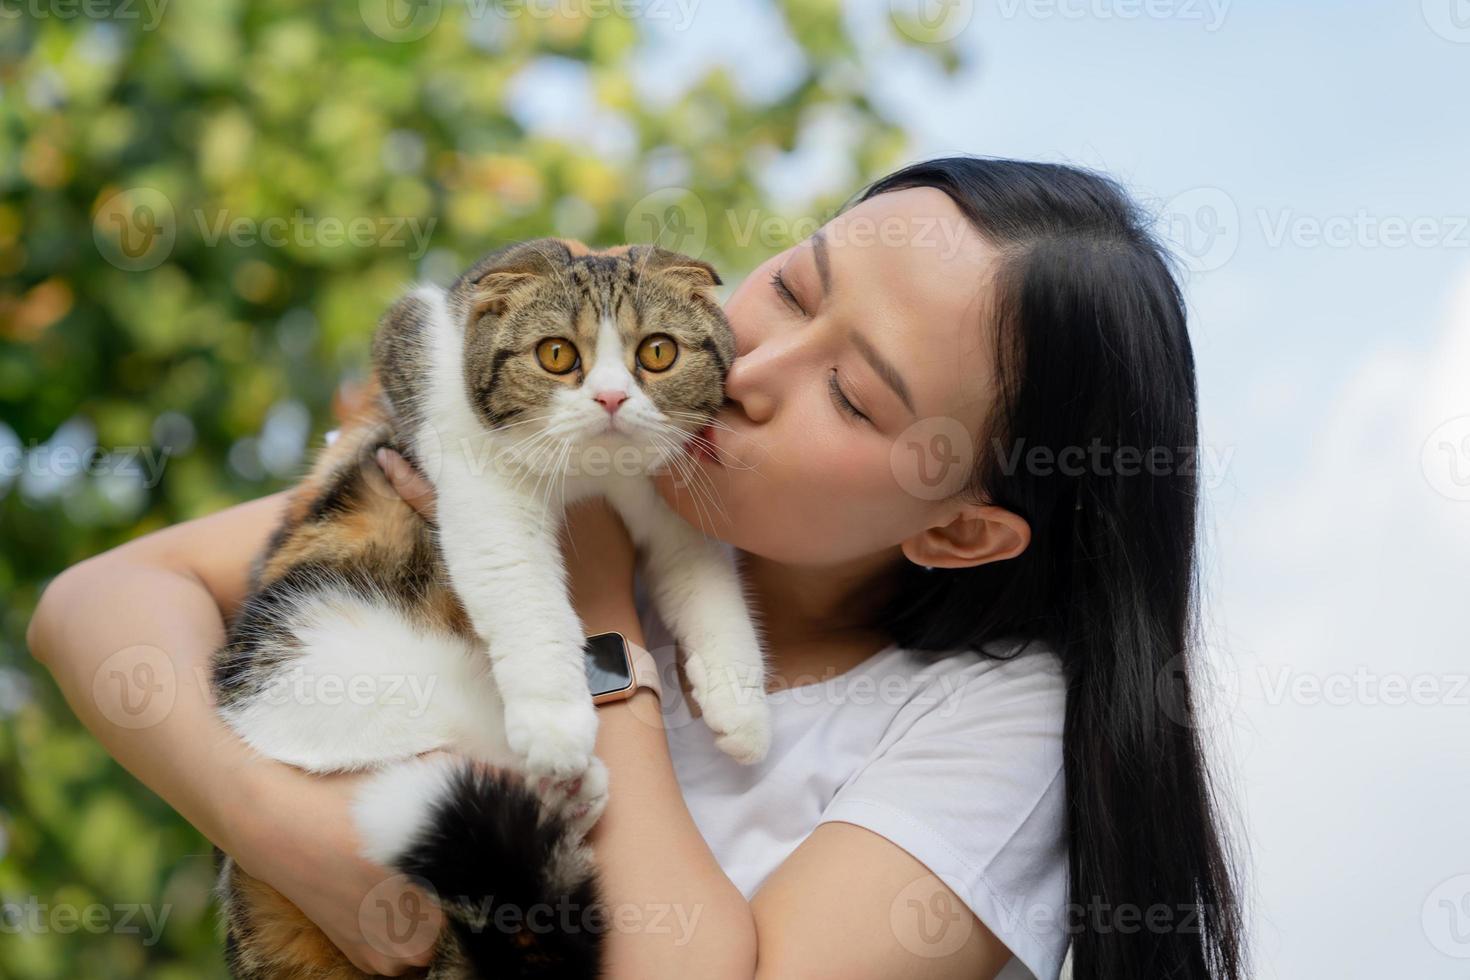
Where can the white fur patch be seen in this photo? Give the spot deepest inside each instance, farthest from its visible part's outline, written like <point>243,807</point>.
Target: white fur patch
<point>393,806</point>
<point>368,687</point>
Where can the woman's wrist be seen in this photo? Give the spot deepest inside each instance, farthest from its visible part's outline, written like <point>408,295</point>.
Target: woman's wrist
<point>612,611</point>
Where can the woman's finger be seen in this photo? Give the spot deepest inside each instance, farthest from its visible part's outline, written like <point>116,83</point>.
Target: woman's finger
<point>407,482</point>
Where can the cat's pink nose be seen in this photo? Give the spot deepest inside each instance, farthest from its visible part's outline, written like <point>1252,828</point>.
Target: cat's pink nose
<point>611,400</point>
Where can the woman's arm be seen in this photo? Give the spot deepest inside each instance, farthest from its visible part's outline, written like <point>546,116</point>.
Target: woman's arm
<point>128,636</point>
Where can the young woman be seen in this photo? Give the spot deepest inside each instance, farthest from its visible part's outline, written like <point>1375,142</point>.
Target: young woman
<point>983,747</point>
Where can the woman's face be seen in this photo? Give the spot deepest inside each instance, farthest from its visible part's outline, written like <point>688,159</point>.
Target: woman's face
<point>864,369</point>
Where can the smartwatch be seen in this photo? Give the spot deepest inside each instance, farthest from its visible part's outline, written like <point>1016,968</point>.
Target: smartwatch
<point>617,669</point>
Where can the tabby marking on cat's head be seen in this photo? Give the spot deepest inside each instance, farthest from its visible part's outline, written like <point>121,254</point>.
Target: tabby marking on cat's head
<point>620,347</point>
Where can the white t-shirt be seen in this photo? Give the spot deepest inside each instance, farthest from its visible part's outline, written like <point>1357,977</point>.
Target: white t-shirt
<point>957,761</point>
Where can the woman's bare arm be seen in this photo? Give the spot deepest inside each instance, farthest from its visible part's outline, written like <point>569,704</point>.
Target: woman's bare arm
<point>128,637</point>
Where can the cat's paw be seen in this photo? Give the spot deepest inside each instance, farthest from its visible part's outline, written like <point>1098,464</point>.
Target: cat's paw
<point>740,719</point>
<point>579,800</point>
<point>554,738</point>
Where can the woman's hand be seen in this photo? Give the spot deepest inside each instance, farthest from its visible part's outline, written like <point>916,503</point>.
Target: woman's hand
<point>379,919</point>
<point>598,550</point>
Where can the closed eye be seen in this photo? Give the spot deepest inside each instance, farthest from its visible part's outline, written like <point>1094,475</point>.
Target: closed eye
<point>778,282</point>
<point>843,403</point>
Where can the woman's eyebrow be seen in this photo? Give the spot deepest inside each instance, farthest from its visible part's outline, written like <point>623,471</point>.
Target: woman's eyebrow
<point>886,372</point>
<point>824,261</point>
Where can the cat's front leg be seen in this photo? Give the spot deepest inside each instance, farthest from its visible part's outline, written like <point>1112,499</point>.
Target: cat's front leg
<point>696,588</point>
<point>505,563</point>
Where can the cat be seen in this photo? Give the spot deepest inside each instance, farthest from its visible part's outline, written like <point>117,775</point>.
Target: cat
<point>542,354</point>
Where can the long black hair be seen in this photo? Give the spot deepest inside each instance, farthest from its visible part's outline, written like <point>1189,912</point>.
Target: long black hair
<point>1095,370</point>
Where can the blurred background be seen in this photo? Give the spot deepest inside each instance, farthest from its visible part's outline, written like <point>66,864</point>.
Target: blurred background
<point>205,205</point>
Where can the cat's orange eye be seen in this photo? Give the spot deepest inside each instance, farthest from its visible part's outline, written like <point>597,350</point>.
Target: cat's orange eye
<point>658,352</point>
<point>558,355</point>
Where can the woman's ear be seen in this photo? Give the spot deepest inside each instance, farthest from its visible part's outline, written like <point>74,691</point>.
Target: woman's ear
<point>977,535</point>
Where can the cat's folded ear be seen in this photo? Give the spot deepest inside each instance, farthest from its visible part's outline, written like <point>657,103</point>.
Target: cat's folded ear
<point>494,282</point>
<point>652,260</point>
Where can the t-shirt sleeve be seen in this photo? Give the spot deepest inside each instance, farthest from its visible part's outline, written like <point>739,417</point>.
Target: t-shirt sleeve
<point>968,780</point>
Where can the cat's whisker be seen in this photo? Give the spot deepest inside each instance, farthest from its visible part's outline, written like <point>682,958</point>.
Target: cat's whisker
<point>701,486</point>
<point>723,455</point>
<point>700,418</point>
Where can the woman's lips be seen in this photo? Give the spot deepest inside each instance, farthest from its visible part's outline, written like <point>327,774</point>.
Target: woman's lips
<point>703,445</point>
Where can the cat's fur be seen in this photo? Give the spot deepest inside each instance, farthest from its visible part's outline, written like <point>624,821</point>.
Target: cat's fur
<point>468,620</point>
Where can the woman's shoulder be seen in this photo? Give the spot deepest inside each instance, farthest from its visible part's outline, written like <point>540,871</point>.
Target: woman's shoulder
<point>1005,683</point>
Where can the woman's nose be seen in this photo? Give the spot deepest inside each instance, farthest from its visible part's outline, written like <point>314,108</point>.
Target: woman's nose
<point>757,405</point>
<point>755,378</point>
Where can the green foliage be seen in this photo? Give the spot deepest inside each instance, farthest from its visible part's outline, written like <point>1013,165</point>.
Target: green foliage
<point>175,317</point>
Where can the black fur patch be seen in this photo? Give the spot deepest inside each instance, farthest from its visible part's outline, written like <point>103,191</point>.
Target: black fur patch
<point>490,832</point>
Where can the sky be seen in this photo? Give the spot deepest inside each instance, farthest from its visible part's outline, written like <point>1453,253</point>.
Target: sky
<point>1309,165</point>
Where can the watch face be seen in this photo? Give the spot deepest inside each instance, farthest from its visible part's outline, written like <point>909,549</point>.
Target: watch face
<point>607,664</point>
